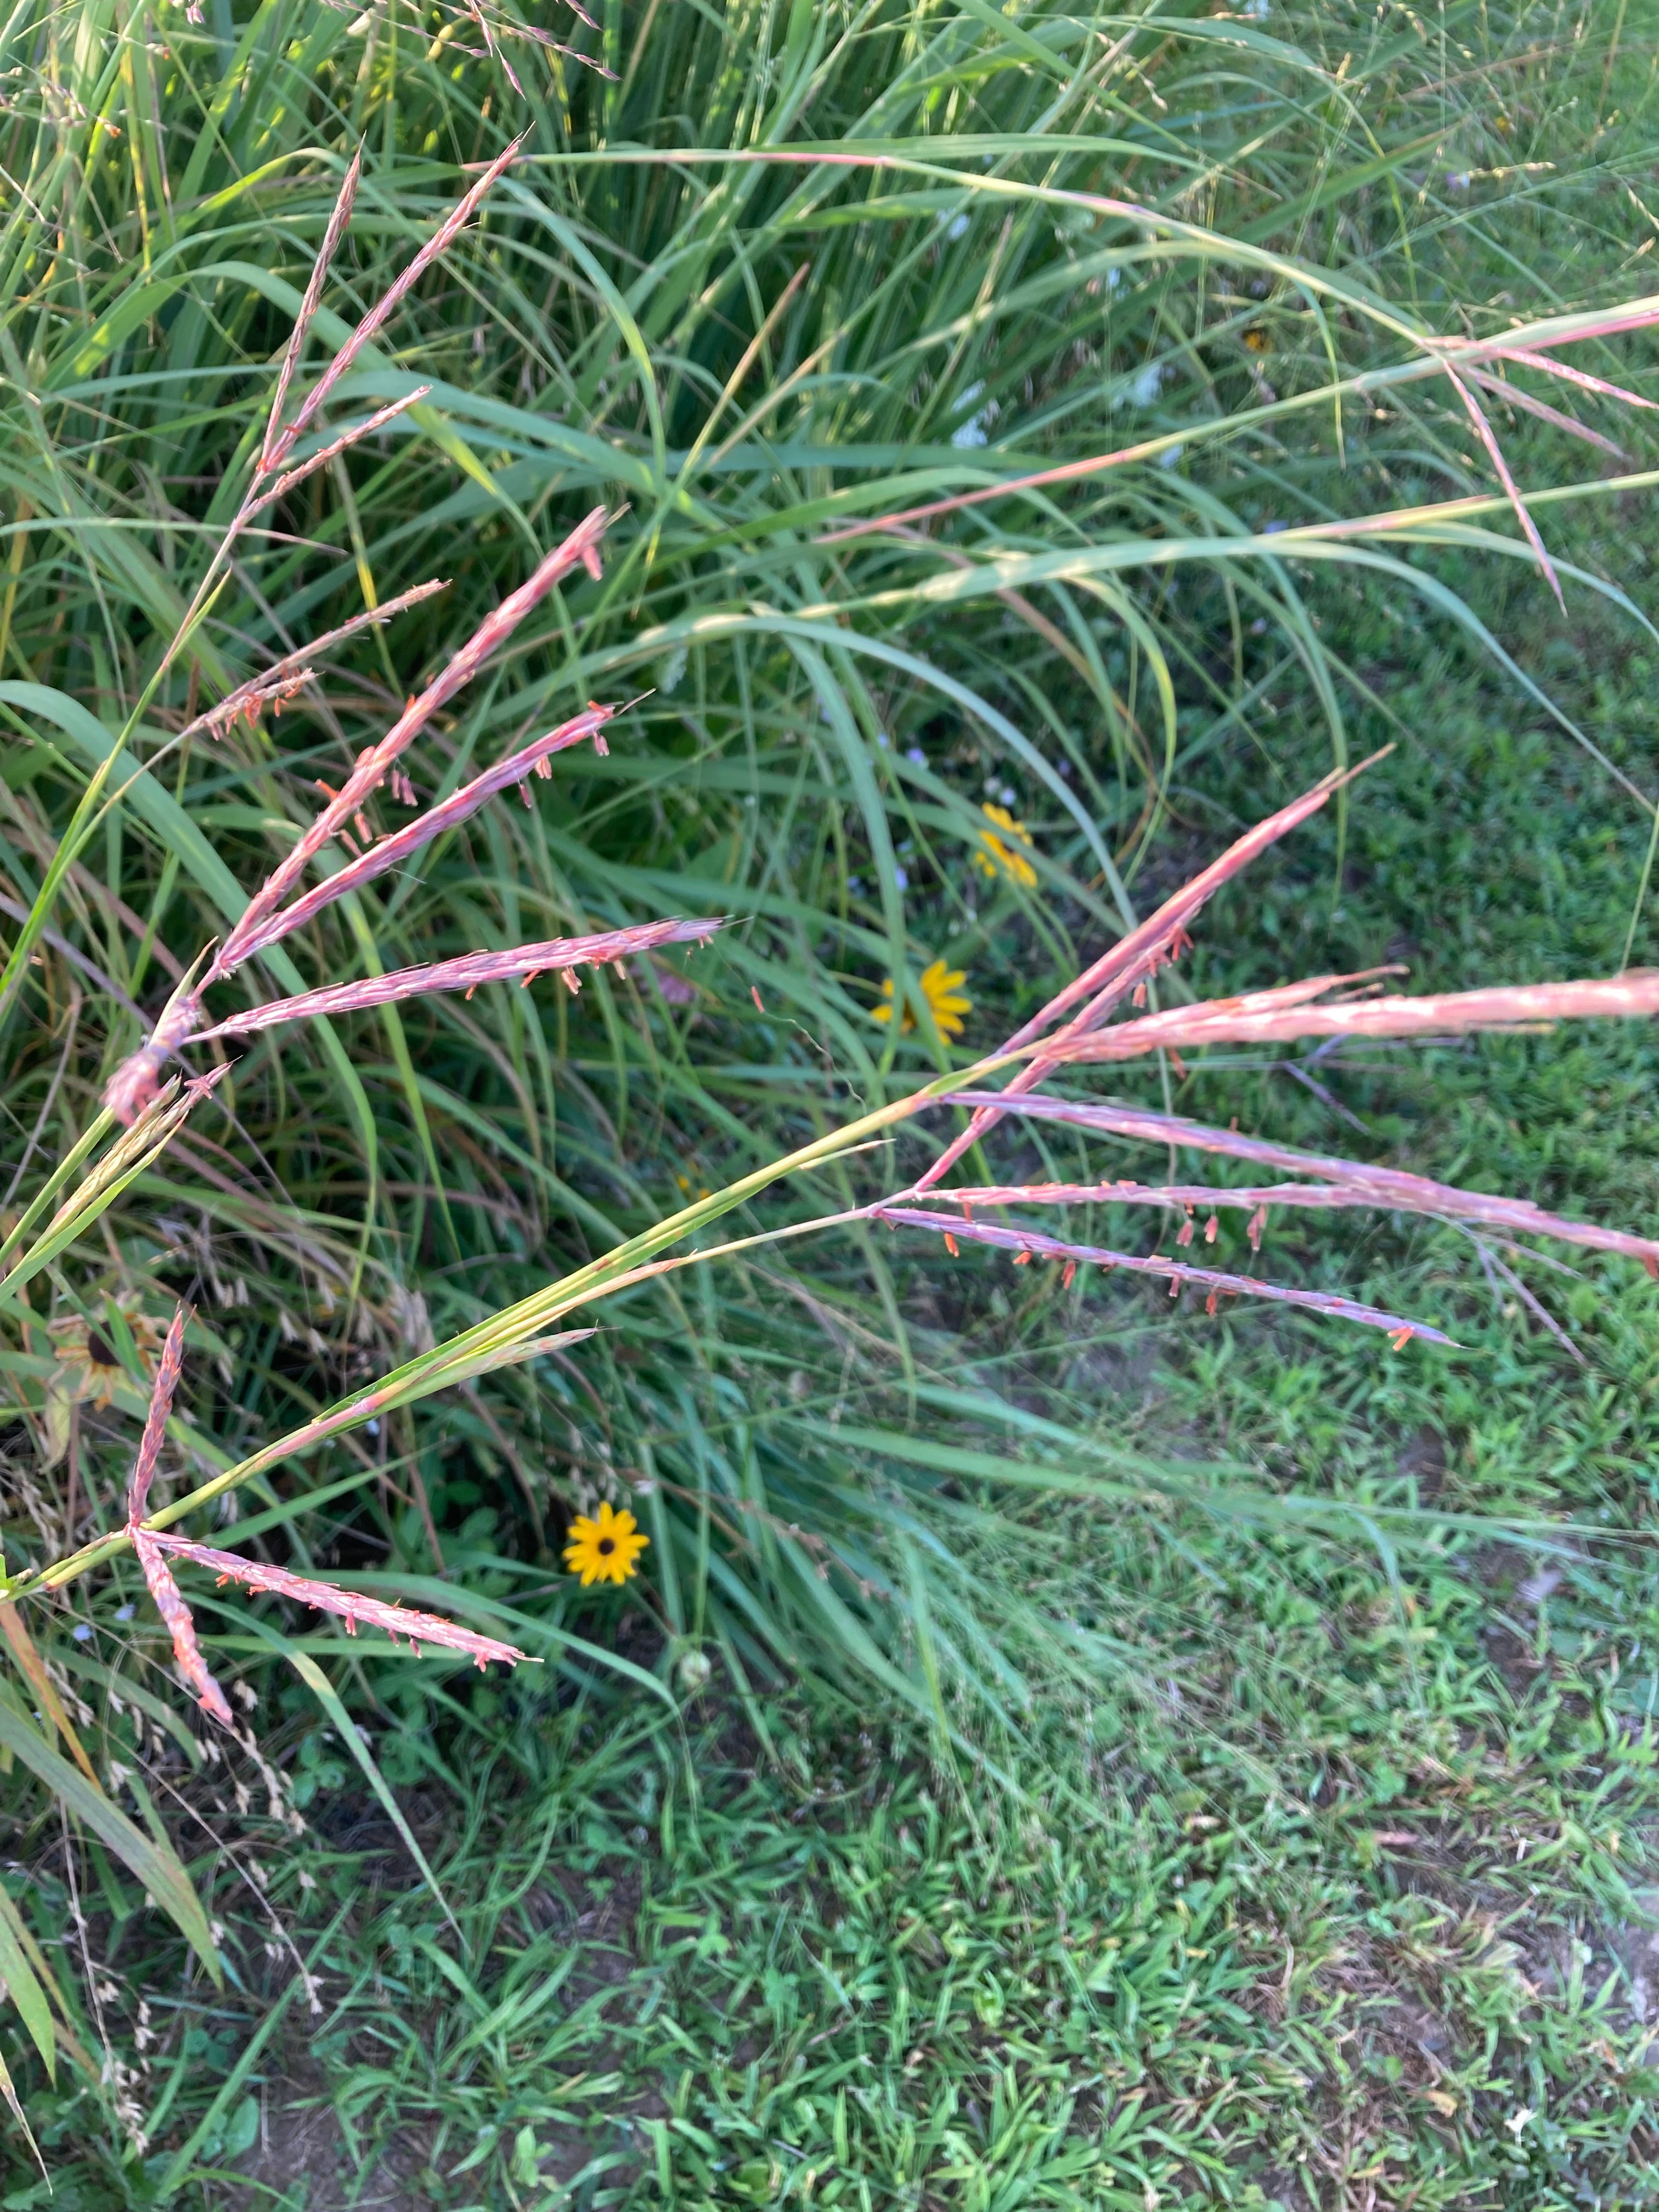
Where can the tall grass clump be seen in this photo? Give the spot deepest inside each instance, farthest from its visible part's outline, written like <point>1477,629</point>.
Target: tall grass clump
<point>845,467</point>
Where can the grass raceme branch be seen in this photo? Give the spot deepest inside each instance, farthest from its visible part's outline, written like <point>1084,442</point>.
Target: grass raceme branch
<point>523,964</point>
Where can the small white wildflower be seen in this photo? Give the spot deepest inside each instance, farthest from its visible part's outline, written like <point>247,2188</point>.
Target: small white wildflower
<point>82,1632</point>
<point>1170,456</point>
<point>901,878</point>
<point>1145,387</point>
<point>957,228</point>
<point>914,753</point>
<point>1518,2121</point>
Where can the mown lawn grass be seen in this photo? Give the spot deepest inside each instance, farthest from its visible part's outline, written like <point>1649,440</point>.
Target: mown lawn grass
<point>1253,1866</point>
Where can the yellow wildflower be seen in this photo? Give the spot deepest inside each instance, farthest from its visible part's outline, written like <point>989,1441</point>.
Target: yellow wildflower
<point>88,1371</point>
<point>606,1549</point>
<point>91,1370</point>
<point>999,852</point>
<point>941,987</point>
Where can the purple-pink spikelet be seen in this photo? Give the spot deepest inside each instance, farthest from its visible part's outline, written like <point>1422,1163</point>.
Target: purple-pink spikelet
<point>523,964</point>
<point>135,1081</point>
<point>1276,1017</point>
<point>248,701</point>
<point>169,1603</point>
<point>1090,997</point>
<point>156,1419</point>
<point>579,549</point>
<point>217,719</point>
<point>1342,1182</point>
<point>351,1606</point>
<point>390,852</point>
<point>1029,1244</point>
<point>281,444</point>
<point>267,494</point>
<point>153,1546</point>
<point>277,441</point>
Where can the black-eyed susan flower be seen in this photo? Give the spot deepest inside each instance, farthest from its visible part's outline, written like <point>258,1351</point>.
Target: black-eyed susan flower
<point>1002,848</point>
<point>91,1367</point>
<point>941,987</point>
<point>91,1370</point>
<point>605,1549</point>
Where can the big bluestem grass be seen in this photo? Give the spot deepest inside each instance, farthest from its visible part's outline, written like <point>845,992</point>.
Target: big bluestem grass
<point>1287,1011</point>
<point>913,507</point>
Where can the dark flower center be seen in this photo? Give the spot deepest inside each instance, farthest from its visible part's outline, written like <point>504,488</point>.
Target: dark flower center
<point>607,1546</point>
<point>100,1354</point>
